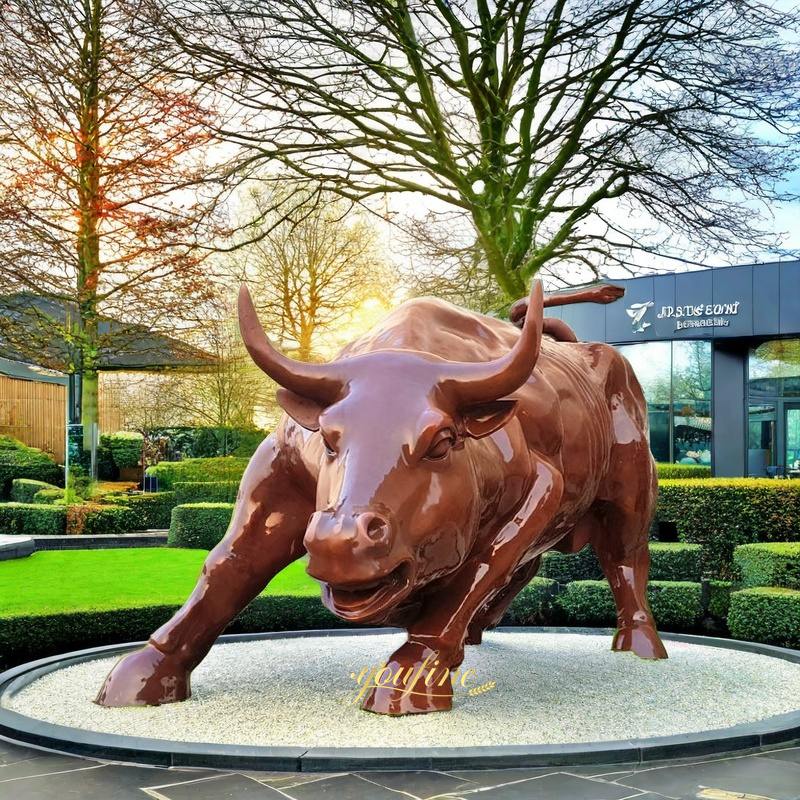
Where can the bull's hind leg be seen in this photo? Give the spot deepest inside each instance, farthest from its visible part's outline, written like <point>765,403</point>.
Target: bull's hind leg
<point>265,535</point>
<point>622,515</point>
<point>620,541</point>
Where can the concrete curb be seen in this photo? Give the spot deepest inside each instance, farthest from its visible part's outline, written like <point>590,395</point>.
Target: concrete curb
<point>26,730</point>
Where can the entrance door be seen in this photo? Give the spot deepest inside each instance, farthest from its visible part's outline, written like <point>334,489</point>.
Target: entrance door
<point>792,439</point>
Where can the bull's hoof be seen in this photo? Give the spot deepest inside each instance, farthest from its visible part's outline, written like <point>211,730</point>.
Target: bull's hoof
<point>413,681</point>
<point>643,640</point>
<point>146,677</point>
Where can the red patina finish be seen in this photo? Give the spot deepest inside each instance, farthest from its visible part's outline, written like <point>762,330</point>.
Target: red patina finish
<point>425,471</point>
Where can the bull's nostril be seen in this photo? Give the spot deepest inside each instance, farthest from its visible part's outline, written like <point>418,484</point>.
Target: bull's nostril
<point>377,528</point>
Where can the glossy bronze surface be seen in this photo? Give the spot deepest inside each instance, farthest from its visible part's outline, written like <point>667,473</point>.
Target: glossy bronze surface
<point>424,472</point>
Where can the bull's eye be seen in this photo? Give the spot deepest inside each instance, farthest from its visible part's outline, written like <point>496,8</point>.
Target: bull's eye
<point>441,445</point>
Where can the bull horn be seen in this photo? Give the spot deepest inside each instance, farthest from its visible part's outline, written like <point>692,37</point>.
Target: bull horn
<point>319,382</point>
<point>476,383</point>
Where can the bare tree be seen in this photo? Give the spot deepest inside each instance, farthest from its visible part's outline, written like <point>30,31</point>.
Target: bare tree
<point>103,151</point>
<point>565,130</point>
<point>312,268</point>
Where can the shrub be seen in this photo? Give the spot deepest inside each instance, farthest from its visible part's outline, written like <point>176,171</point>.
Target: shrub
<point>721,513</point>
<point>24,638</point>
<point>675,604</point>
<point>20,461</point>
<point>224,468</point>
<point>770,615</point>
<point>719,598</point>
<point>28,519</point>
<point>533,605</point>
<point>125,447</point>
<point>23,490</point>
<point>153,510</point>
<point>92,519</point>
<point>199,525</point>
<point>668,471</point>
<point>769,564</point>
<point>48,496</point>
<point>675,561</point>
<point>205,491</point>
<point>566,567</point>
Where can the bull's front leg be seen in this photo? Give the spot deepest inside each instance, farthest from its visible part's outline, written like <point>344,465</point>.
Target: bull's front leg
<point>436,638</point>
<point>264,536</point>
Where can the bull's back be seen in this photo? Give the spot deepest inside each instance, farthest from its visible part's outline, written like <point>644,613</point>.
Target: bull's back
<point>429,325</point>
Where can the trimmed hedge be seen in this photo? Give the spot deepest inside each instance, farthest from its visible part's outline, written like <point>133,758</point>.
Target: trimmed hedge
<point>224,468</point>
<point>152,510</point>
<point>20,461</point>
<point>667,471</point>
<point>675,604</point>
<point>669,561</point>
<point>566,567</point>
<point>48,496</point>
<point>675,561</point>
<point>533,605</point>
<point>719,598</point>
<point>206,491</point>
<point>92,519</point>
<point>769,564</point>
<point>199,525</point>
<point>23,490</point>
<point>768,614</point>
<point>24,638</point>
<point>721,513</point>
<point>29,519</point>
<point>125,448</point>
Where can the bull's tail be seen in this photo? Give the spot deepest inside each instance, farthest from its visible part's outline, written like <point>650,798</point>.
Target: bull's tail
<point>558,329</point>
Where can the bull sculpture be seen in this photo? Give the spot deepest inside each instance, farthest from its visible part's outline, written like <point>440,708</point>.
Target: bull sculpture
<point>424,472</point>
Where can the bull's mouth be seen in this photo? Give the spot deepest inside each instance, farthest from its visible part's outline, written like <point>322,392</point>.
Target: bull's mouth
<point>366,601</point>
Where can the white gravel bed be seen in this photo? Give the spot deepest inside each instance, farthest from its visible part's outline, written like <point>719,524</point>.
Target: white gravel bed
<point>551,688</point>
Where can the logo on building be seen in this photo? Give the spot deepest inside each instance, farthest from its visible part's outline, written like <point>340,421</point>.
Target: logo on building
<point>637,311</point>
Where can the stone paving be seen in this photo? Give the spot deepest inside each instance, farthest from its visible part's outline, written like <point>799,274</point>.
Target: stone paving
<point>31,774</point>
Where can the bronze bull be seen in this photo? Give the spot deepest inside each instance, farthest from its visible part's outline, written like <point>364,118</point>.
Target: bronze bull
<point>424,472</point>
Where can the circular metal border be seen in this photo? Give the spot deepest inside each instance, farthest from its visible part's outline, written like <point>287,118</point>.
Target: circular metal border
<point>755,736</point>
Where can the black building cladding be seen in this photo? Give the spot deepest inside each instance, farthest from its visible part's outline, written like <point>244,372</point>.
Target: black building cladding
<point>718,354</point>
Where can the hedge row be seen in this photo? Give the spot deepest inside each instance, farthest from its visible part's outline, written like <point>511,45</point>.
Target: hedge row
<point>20,461</point>
<point>30,519</point>
<point>683,471</point>
<point>199,525</point>
<point>675,604</point>
<point>224,468</point>
<point>152,510</point>
<point>766,614</point>
<point>23,490</point>
<point>206,491</point>
<point>125,448</point>
<point>769,564</point>
<point>722,513</point>
<point>48,496</point>
<point>669,561</point>
<point>25,638</point>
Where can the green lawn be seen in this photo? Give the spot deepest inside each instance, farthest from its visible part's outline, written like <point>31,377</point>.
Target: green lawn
<point>83,580</point>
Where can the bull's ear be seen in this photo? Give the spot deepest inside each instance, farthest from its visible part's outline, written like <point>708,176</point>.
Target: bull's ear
<point>302,410</point>
<point>480,421</point>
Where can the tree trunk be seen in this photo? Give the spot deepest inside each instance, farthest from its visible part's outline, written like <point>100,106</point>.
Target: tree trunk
<point>90,206</point>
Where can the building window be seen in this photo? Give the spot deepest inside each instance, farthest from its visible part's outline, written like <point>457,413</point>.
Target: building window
<point>676,381</point>
<point>774,405</point>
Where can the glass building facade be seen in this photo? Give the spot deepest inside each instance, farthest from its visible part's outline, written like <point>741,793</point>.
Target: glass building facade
<point>676,380</point>
<point>773,411</point>
<point>717,352</point>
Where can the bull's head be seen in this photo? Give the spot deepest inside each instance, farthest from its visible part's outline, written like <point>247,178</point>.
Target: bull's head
<point>398,495</point>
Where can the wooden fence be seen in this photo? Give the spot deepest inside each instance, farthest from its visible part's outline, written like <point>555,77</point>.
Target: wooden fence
<point>35,413</point>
